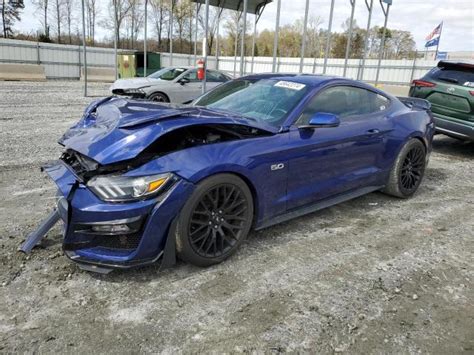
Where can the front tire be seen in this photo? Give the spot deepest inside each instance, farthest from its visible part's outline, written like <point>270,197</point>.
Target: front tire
<point>214,221</point>
<point>158,97</point>
<point>408,170</point>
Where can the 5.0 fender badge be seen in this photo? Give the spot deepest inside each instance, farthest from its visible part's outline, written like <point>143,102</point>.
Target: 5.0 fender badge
<point>277,166</point>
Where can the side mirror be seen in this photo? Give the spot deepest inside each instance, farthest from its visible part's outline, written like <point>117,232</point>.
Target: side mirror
<point>323,120</point>
<point>183,81</point>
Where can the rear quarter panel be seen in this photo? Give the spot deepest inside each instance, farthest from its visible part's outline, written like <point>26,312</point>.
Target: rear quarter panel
<point>408,124</point>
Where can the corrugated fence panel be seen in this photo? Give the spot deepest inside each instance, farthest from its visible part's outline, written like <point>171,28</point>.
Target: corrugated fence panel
<point>64,61</point>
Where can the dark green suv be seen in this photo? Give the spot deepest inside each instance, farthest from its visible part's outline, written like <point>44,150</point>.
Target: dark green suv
<point>450,89</point>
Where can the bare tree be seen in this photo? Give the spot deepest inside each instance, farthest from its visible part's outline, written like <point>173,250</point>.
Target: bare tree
<point>159,15</point>
<point>92,11</point>
<point>68,16</point>
<point>231,26</point>
<point>171,7</point>
<point>401,44</point>
<point>42,5</point>
<point>313,40</point>
<point>10,14</point>
<point>134,20</point>
<point>58,11</point>
<point>118,11</point>
<point>182,13</point>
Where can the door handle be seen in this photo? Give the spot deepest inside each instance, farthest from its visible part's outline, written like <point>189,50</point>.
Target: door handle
<point>372,132</point>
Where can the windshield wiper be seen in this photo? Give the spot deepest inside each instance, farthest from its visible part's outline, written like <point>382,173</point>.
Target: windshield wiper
<point>230,112</point>
<point>450,80</point>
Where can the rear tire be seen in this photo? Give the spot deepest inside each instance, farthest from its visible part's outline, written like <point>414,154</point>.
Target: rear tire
<point>214,221</point>
<point>407,171</point>
<point>158,97</point>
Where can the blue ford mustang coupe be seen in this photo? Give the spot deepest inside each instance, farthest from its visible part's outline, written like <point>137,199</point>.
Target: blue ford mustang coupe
<point>139,181</point>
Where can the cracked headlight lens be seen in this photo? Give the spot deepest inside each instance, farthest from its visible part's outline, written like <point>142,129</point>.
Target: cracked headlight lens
<point>124,188</point>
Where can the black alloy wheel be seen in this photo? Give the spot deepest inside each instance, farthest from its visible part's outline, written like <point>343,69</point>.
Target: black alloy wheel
<point>218,221</point>
<point>412,169</point>
<point>407,170</point>
<point>215,220</point>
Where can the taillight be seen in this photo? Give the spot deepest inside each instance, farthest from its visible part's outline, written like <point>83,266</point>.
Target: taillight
<point>422,83</point>
<point>472,93</point>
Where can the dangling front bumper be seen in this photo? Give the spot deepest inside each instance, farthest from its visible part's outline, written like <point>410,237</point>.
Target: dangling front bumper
<point>101,236</point>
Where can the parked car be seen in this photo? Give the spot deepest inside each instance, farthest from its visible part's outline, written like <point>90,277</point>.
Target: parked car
<point>173,84</point>
<point>449,88</point>
<point>140,181</point>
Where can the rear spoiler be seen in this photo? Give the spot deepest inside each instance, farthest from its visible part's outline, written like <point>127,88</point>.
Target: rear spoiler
<point>462,66</point>
<point>415,103</point>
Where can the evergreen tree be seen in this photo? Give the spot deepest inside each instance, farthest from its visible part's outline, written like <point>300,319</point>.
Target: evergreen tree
<point>10,14</point>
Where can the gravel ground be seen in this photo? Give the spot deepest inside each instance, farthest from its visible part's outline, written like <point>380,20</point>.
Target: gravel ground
<point>373,275</point>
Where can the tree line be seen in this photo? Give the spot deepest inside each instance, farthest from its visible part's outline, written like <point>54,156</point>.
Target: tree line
<point>60,21</point>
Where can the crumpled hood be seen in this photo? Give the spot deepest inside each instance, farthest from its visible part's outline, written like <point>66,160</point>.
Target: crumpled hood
<point>135,83</point>
<point>116,129</point>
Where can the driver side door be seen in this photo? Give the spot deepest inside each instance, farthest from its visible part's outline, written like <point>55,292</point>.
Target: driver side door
<point>325,162</point>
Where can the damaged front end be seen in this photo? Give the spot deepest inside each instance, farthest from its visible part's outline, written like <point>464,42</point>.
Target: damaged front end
<point>117,202</point>
<point>103,234</point>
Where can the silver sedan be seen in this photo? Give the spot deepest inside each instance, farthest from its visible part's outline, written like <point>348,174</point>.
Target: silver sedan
<point>172,84</point>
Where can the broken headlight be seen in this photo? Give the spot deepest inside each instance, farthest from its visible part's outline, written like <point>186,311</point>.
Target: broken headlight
<point>124,188</point>
<point>133,91</point>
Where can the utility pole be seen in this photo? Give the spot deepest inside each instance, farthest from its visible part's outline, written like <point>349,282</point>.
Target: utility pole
<point>386,11</point>
<point>366,42</point>
<point>349,37</point>
<point>144,44</point>
<point>206,30</point>
<point>84,46</point>
<point>275,39</point>
<point>328,39</point>
<point>305,30</point>
<point>242,41</point>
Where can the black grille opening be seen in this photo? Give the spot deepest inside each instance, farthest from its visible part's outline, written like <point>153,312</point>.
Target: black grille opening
<point>127,241</point>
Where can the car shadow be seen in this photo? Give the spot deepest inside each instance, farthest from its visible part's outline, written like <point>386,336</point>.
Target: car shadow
<point>280,233</point>
<point>453,147</point>
<point>256,242</point>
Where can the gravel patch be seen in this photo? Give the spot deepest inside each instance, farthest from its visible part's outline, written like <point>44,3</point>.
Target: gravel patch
<point>372,275</point>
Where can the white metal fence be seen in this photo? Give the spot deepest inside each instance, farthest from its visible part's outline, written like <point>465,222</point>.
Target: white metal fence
<point>64,62</point>
<point>394,72</point>
<point>59,60</point>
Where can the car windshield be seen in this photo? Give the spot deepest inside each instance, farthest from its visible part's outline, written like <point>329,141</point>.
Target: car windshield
<point>167,73</point>
<point>265,100</point>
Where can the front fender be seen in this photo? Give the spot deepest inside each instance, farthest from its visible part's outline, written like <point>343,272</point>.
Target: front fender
<point>250,159</point>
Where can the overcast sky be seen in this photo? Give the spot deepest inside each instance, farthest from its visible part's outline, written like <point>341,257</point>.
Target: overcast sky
<point>418,16</point>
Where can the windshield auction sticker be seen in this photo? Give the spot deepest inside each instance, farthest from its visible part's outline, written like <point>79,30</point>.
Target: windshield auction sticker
<point>290,85</point>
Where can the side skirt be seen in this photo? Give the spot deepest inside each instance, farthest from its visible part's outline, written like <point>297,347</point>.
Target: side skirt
<point>317,206</point>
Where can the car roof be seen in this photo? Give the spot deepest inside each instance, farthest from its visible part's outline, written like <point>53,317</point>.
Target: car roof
<point>187,67</point>
<point>312,80</point>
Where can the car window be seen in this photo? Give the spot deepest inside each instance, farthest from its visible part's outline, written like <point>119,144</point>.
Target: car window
<point>191,76</point>
<point>167,73</point>
<point>212,76</point>
<point>215,76</point>
<point>464,77</point>
<point>344,101</point>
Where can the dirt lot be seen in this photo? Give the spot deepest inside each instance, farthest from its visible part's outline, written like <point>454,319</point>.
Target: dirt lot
<point>373,275</point>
